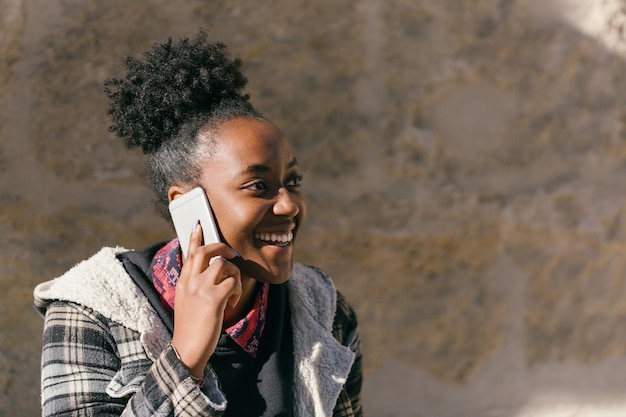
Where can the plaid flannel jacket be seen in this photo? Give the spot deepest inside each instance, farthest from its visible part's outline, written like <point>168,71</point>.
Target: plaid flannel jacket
<point>94,365</point>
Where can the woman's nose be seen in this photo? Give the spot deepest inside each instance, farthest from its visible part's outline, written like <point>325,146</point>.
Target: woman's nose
<point>286,204</point>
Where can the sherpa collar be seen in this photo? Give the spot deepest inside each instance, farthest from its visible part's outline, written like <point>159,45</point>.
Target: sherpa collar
<point>102,284</point>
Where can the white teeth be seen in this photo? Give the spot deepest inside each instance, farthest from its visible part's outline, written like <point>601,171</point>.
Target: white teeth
<point>275,237</point>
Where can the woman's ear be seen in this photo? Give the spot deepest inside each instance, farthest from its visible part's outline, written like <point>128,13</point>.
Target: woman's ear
<point>176,191</point>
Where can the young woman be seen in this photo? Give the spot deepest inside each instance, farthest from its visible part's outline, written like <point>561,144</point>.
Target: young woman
<point>234,329</point>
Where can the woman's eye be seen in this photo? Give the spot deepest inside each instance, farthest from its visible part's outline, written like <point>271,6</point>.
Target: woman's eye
<point>258,186</point>
<point>294,181</point>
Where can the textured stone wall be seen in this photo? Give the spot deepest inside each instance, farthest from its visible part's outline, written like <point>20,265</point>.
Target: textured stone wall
<point>465,169</point>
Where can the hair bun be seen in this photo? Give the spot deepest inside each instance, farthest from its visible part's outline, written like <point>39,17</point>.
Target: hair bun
<point>176,81</point>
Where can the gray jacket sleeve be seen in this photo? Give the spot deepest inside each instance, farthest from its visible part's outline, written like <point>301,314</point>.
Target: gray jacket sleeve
<point>91,366</point>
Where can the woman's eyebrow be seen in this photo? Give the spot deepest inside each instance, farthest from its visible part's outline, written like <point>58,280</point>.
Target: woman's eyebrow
<point>251,169</point>
<point>256,168</point>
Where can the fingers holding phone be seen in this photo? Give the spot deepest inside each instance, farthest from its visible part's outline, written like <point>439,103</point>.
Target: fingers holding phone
<point>214,258</point>
<point>200,240</point>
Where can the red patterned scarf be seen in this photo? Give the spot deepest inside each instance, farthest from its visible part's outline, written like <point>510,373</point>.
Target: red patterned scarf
<point>166,266</point>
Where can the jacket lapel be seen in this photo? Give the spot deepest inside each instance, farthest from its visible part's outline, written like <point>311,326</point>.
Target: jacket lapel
<point>102,284</point>
<point>322,364</point>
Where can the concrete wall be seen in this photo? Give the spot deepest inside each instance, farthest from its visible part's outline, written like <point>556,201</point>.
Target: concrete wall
<point>465,166</point>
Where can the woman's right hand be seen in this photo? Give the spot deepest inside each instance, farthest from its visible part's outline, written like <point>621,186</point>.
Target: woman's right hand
<point>208,283</point>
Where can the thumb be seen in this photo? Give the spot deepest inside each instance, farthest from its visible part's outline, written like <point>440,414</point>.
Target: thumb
<point>234,298</point>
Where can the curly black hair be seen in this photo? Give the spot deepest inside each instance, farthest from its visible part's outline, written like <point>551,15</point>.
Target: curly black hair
<point>181,87</point>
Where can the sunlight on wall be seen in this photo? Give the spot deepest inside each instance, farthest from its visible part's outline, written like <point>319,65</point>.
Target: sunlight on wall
<point>574,410</point>
<point>561,404</point>
<point>604,20</point>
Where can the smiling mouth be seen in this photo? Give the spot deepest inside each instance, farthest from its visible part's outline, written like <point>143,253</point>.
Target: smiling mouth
<point>278,239</point>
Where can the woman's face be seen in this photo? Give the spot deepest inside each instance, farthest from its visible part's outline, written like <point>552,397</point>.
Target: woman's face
<point>252,182</point>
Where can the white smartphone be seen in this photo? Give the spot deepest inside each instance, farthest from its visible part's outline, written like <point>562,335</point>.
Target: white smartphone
<point>189,209</point>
